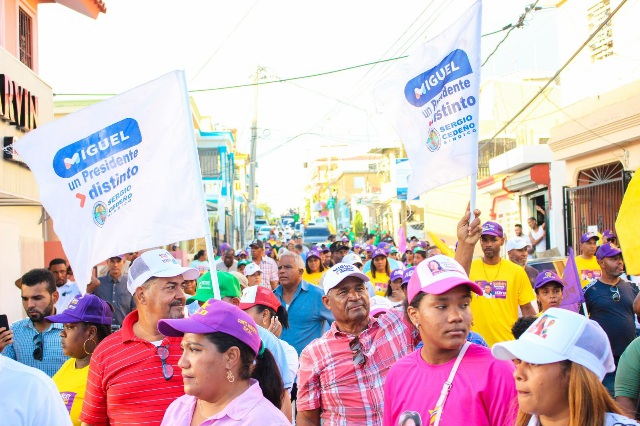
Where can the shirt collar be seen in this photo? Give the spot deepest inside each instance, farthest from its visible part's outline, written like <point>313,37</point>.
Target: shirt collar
<point>244,403</point>
<point>52,326</point>
<point>373,325</point>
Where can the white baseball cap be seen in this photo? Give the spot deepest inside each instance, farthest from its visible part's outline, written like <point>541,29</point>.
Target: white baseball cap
<point>156,263</point>
<point>338,272</point>
<point>517,243</point>
<point>352,259</point>
<point>438,274</point>
<point>560,335</point>
<point>379,305</point>
<point>251,269</point>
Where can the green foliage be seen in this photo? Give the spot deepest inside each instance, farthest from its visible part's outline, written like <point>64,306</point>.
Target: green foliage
<point>357,224</point>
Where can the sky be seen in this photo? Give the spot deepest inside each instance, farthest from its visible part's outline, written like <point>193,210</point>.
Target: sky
<point>223,43</point>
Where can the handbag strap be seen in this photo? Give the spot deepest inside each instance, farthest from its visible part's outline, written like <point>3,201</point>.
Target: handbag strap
<point>446,388</point>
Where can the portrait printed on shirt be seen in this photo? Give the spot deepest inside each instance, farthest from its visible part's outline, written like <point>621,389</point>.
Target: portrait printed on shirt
<point>412,418</point>
<point>589,275</point>
<point>494,289</point>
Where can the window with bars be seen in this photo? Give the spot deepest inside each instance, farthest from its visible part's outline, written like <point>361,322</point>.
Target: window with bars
<point>209,161</point>
<point>602,44</point>
<point>26,39</point>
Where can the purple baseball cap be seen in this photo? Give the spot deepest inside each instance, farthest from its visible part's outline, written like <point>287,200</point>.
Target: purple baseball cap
<point>224,247</point>
<point>608,234</point>
<point>546,277</point>
<point>423,244</point>
<point>607,250</point>
<point>369,248</point>
<point>383,245</point>
<point>379,252</point>
<point>314,253</point>
<point>215,316</point>
<point>356,245</point>
<point>396,273</point>
<point>492,228</point>
<point>439,274</point>
<point>406,276</point>
<point>587,236</point>
<point>345,239</point>
<point>87,308</point>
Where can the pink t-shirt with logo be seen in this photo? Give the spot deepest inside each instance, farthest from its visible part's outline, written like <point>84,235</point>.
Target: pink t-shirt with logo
<point>483,391</point>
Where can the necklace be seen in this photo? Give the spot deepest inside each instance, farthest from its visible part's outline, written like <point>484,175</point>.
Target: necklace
<point>497,273</point>
<point>199,404</point>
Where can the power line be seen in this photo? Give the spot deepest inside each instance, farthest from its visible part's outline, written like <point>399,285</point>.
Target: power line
<point>519,24</point>
<point>225,40</point>
<point>555,76</point>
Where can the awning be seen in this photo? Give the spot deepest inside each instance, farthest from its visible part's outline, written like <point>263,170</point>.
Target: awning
<point>13,200</point>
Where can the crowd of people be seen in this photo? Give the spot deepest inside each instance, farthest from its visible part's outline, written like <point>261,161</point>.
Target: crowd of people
<point>348,333</point>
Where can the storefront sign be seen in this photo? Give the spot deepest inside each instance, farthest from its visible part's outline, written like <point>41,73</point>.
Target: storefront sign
<point>17,105</point>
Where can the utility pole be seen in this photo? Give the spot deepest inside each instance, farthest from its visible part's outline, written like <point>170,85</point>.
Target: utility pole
<point>250,233</point>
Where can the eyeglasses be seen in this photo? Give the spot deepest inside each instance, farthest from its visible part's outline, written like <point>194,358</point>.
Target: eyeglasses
<point>38,352</point>
<point>358,356</point>
<point>616,293</point>
<point>167,369</point>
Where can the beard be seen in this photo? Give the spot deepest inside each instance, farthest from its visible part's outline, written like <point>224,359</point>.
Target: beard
<point>38,316</point>
<point>176,313</point>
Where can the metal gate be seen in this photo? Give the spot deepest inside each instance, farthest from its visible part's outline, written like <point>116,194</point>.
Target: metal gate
<point>595,201</point>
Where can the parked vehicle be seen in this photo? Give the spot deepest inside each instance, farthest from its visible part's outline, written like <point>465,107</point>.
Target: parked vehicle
<point>316,235</point>
<point>263,233</point>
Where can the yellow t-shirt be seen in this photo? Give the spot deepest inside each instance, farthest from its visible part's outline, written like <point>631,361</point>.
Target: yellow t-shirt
<point>505,287</point>
<point>72,383</point>
<point>588,270</point>
<point>380,282</point>
<point>313,278</point>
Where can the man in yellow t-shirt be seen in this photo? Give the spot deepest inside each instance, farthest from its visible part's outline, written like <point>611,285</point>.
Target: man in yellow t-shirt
<point>588,268</point>
<point>506,283</point>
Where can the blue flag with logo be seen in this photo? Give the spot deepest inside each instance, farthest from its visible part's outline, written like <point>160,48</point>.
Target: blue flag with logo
<point>431,99</point>
<point>122,175</point>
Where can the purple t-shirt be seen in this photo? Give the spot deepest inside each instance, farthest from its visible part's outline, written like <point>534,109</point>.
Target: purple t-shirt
<point>483,391</point>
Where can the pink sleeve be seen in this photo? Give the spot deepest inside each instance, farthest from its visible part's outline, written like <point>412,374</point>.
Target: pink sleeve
<point>309,386</point>
<point>389,397</point>
<point>501,399</point>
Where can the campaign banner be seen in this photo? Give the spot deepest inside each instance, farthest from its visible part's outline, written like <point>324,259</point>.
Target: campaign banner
<point>403,174</point>
<point>572,294</point>
<point>122,175</point>
<point>431,99</point>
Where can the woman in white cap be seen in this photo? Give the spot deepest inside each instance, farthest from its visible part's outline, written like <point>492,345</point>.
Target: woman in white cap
<point>448,381</point>
<point>560,362</point>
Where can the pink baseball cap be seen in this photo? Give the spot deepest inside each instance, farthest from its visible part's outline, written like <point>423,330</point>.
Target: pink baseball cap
<point>438,274</point>
<point>215,316</point>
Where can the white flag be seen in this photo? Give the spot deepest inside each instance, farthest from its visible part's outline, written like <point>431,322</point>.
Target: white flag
<point>431,99</point>
<point>122,175</point>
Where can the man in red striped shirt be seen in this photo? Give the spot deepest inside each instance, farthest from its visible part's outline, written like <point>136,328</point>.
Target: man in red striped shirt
<point>134,373</point>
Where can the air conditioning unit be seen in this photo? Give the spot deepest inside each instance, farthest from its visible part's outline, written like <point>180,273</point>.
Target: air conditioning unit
<point>373,167</point>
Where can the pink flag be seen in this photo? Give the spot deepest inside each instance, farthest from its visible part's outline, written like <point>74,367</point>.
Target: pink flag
<point>402,240</point>
<point>572,294</point>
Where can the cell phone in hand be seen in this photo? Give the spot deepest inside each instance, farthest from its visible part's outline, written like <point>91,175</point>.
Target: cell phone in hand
<point>4,322</point>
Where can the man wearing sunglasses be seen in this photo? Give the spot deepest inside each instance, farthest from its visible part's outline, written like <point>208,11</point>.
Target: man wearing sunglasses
<point>342,374</point>
<point>613,302</point>
<point>136,368</point>
<point>34,341</point>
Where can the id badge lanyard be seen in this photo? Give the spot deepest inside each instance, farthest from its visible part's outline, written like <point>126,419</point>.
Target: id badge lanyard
<point>446,388</point>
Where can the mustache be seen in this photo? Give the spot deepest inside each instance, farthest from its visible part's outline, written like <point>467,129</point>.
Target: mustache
<point>176,303</point>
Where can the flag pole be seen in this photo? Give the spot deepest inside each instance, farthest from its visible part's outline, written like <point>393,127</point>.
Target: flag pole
<point>472,201</point>
<point>196,168</point>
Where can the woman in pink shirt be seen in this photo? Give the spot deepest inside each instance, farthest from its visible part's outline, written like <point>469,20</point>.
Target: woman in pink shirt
<point>222,384</point>
<point>449,381</point>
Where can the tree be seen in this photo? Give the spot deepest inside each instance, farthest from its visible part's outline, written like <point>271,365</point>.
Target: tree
<point>357,224</point>
<point>266,209</point>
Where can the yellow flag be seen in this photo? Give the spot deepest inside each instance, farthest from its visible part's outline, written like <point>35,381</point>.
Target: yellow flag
<point>442,246</point>
<point>627,227</point>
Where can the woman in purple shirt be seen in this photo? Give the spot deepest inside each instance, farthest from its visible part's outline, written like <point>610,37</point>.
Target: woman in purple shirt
<point>222,384</point>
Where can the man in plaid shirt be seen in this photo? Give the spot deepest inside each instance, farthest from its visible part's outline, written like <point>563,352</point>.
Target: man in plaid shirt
<point>341,376</point>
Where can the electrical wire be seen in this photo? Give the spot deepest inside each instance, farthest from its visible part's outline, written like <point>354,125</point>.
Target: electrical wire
<point>555,76</point>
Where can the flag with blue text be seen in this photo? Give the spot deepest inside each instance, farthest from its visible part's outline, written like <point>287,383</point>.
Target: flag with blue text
<point>431,99</point>
<point>121,175</point>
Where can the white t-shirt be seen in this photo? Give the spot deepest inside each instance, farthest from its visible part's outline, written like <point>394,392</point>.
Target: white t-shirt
<point>67,292</point>
<point>610,419</point>
<point>291,355</point>
<point>29,397</point>
<point>542,245</point>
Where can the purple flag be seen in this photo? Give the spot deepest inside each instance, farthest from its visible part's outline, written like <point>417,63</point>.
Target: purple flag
<point>402,240</point>
<point>572,294</point>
